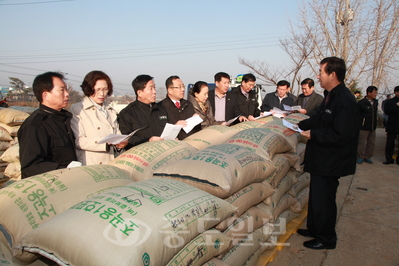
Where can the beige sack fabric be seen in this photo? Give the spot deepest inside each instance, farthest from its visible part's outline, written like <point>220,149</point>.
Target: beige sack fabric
<point>28,203</point>
<point>284,185</point>
<point>13,170</point>
<point>278,127</point>
<point>4,145</point>
<point>282,163</point>
<point>11,154</point>
<point>262,141</point>
<point>12,117</point>
<point>12,130</point>
<point>275,210</point>
<point>247,125</point>
<point>209,136</point>
<point>244,199</point>
<point>303,181</point>
<point>201,249</point>
<point>4,135</point>
<point>142,223</point>
<point>220,170</point>
<point>215,262</point>
<point>142,160</point>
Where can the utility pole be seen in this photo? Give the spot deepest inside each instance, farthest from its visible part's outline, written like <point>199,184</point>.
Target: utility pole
<point>343,18</point>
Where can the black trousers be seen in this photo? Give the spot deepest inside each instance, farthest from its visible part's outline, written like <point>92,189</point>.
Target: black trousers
<point>322,208</point>
<point>390,146</point>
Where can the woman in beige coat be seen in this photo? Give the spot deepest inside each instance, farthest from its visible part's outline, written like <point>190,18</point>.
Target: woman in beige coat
<point>93,119</point>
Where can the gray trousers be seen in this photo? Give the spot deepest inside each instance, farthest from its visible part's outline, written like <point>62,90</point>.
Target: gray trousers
<point>365,148</point>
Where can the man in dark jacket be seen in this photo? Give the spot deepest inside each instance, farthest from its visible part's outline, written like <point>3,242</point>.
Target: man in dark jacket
<point>309,100</point>
<point>332,135</point>
<point>278,98</point>
<point>46,141</point>
<point>224,103</point>
<point>246,97</point>
<point>143,113</point>
<point>178,109</point>
<point>391,109</point>
<point>368,124</point>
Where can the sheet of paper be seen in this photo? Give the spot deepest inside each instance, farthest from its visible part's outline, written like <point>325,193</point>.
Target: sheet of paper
<point>170,131</point>
<point>292,126</point>
<point>231,121</point>
<point>264,115</point>
<point>192,122</point>
<point>291,108</point>
<point>117,138</point>
<point>278,111</point>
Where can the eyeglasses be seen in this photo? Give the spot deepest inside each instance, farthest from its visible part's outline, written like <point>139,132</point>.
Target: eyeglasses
<point>181,87</point>
<point>103,90</point>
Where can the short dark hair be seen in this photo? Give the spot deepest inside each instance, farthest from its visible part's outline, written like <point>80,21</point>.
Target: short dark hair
<point>220,75</point>
<point>308,81</point>
<point>140,82</point>
<point>44,82</point>
<point>198,87</point>
<point>91,79</point>
<point>335,64</point>
<point>248,77</point>
<point>283,83</point>
<point>396,89</point>
<point>371,89</point>
<point>169,81</point>
<point>356,92</point>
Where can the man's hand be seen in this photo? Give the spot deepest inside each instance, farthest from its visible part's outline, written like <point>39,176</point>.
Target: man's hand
<point>302,111</point>
<point>289,132</point>
<point>306,134</point>
<point>155,138</point>
<point>122,144</point>
<point>251,118</point>
<point>182,123</point>
<point>242,118</point>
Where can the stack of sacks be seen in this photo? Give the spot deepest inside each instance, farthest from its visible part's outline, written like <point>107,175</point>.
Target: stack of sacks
<point>300,191</point>
<point>5,140</point>
<point>295,118</point>
<point>11,120</point>
<point>11,156</point>
<point>142,223</point>
<point>29,203</point>
<point>142,160</point>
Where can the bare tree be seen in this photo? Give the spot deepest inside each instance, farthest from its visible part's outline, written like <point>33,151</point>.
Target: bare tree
<point>364,33</point>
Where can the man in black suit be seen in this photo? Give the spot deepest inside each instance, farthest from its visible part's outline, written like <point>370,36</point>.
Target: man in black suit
<point>332,135</point>
<point>391,109</point>
<point>309,100</point>
<point>224,102</point>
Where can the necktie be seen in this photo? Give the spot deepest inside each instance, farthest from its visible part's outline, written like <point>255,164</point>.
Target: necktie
<point>177,105</point>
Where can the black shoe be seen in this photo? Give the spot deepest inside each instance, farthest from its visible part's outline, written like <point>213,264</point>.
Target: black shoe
<point>305,233</point>
<point>314,244</point>
<point>388,162</point>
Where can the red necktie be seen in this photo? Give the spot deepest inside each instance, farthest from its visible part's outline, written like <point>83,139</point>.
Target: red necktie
<point>177,105</point>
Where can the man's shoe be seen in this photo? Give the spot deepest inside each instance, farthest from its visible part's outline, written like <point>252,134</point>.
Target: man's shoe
<point>305,233</point>
<point>359,161</point>
<point>368,161</point>
<point>388,162</point>
<point>314,244</point>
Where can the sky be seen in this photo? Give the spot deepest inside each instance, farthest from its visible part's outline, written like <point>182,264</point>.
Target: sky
<point>126,38</point>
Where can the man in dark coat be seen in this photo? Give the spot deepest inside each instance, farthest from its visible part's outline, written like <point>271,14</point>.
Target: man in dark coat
<point>46,140</point>
<point>332,135</point>
<point>279,98</point>
<point>368,123</point>
<point>246,96</point>
<point>143,113</point>
<point>391,109</point>
<point>224,103</point>
<point>309,100</point>
<point>178,109</point>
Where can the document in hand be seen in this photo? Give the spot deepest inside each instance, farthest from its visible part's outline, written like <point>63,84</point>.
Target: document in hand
<point>291,108</point>
<point>117,138</point>
<point>170,131</point>
<point>292,126</point>
<point>264,115</point>
<point>231,121</point>
<point>192,122</point>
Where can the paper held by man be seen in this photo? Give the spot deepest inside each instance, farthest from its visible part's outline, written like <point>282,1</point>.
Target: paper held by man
<point>117,138</point>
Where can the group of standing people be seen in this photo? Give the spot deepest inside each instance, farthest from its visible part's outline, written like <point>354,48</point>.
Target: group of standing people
<point>53,138</point>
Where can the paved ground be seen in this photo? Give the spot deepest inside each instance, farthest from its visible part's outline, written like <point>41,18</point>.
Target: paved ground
<point>368,220</point>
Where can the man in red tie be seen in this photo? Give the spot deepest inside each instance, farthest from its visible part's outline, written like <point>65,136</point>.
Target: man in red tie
<point>178,109</point>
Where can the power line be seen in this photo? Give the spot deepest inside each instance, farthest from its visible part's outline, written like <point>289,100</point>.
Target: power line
<point>34,3</point>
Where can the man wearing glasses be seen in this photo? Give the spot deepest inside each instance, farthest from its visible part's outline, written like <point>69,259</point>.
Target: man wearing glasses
<point>178,109</point>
